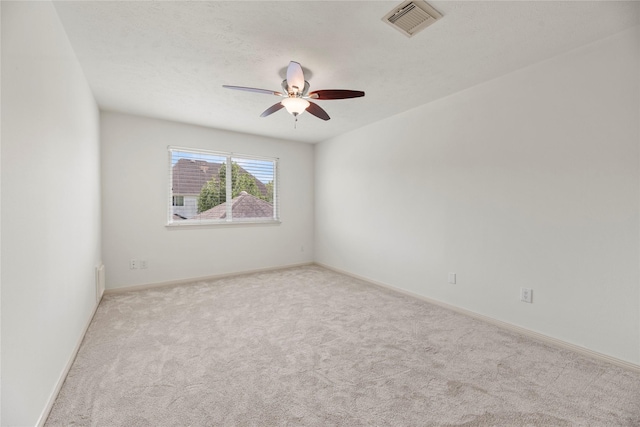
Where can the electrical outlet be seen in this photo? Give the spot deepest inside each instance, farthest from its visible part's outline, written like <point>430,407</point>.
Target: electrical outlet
<point>144,264</point>
<point>452,278</point>
<point>133,264</point>
<point>526,295</point>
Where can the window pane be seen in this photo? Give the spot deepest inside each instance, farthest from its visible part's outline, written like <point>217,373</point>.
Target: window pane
<point>252,188</point>
<point>199,188</point>
<point>191,172</point>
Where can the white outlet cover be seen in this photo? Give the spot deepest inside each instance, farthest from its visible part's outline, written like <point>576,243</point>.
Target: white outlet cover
<point>452,278</point>
<point>526,295</point>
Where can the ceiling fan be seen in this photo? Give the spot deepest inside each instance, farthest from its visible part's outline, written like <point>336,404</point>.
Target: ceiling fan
<point>296,94</point>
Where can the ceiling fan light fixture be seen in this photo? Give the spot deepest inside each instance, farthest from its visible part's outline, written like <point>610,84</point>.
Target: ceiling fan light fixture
<point>295,106</point>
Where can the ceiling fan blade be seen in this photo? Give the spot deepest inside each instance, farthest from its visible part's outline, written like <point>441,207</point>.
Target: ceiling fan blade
<point>253,89</point>
<point>317,111</point>
<point>335,94</point>
<point>295,76</point>
<point>272,109</point>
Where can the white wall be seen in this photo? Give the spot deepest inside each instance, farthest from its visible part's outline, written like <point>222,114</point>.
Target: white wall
<point>529,180</point>
<point>135,191</point>
<point>50,207</point>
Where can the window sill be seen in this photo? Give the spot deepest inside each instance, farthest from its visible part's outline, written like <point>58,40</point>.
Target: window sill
<point>208,224</point>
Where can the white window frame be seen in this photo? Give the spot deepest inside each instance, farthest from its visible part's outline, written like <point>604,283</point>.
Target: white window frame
<point>229,220</point>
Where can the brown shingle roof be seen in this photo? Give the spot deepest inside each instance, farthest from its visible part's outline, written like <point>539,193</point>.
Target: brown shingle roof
<point>243,206</point>
<point>189,176</point>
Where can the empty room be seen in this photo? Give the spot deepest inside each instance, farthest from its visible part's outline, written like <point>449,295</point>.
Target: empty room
<point>320,213</point>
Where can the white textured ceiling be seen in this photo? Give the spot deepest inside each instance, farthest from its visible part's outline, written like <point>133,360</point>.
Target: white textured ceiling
<point>170,59</point>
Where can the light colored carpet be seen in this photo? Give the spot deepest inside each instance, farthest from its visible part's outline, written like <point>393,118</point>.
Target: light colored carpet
<point>309,347</point>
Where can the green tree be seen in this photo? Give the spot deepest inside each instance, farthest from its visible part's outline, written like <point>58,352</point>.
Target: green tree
<point>269,196</point>
<point>214,192</point>
<point>243,181</point>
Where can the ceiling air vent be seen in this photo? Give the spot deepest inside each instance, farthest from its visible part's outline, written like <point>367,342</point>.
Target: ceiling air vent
<point>411,17</point>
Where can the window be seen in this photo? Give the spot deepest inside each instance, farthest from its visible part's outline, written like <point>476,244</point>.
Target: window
<point>207,187</point>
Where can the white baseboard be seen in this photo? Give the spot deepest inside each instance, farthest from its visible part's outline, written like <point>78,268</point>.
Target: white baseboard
<point>122,289</point>
<point>63,376</point>
<point>513,328</point>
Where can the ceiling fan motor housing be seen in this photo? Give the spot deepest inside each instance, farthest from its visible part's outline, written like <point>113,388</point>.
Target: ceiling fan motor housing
<point>291,90</point>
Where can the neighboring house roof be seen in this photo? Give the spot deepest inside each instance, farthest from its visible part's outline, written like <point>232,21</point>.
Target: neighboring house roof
<point>176,216</point>
<point>243,206</point>
<point>189,176</point>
